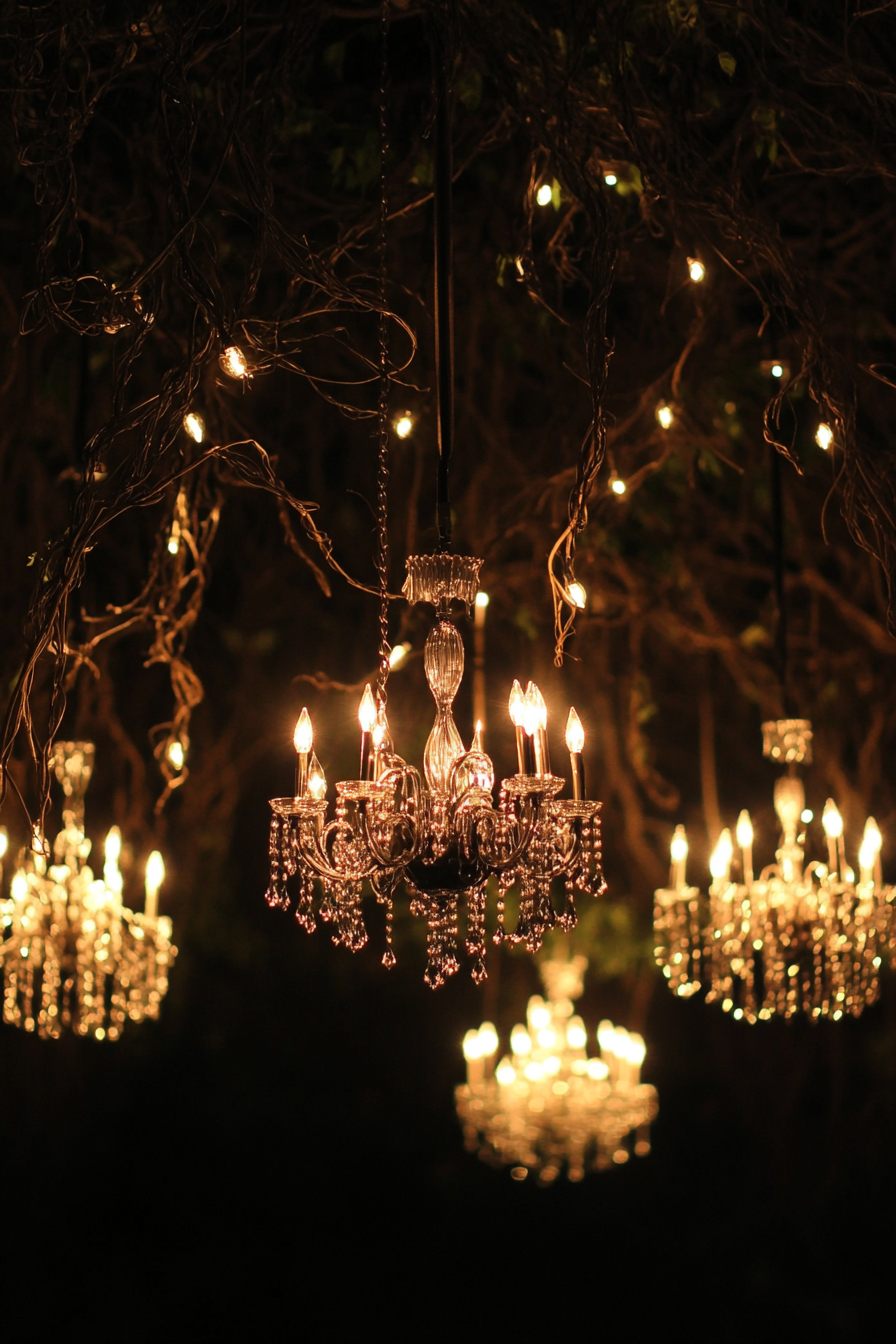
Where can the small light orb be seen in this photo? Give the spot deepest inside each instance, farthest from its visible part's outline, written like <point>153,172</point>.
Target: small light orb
<point>665,415</point>
<point>397,654</point>
<point>403,424</point>
<point>618,487</point>
<point>195,426</point>
<point>777,370</point>
<point>576,595</point>
<point>173,544</point>
<point>482,599</point>
<point>544,194</point>
<point>824,436</point>
<point>806,815</point>
<point>233,362</point>
<point>696,270</point>
<point>610,179</point>
<point>176,755</point>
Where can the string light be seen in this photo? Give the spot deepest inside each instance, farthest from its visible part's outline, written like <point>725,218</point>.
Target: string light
<point>617,486</point>
<point>233,362</point>
<point>195,426</point>
<point>576,595</point>
<point>665,415</point>
<point>545,194</point>
<point>610,179</point>
<point>824,436</point>
<point>398,654</point>
<point>777,370</point>
<point>403,424</point>
<point>176,754</point>
<point>696,270</point>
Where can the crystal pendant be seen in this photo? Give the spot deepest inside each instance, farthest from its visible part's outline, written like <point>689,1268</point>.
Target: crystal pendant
<point>443,659</point>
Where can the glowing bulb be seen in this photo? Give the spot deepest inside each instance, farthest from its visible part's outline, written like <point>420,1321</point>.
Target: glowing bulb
<point>367,710</point>
<point>777,370</point>
<point>195,426</point>
<point>233,362</point>
<point>665,415</point>
<point>744,830</point>
<point>488,1039</point>
<point>155,869</point>
<point>871,843</point>
<point>824,436</point>
<point>398,653</point>
<point>636,1049</point>
<point>112,848</point>
<point>547,1038</point>
<point>534,1072</point>
<point>303,737</point>
<point>530,712</point>
<point>576,594</point>
<point>544,194</point>
<point>597,1070</point>
<point>575,733</point>
<point>403,424</point>
<point>173,544</point>
<point>576,1035</point>
<point>720,859</point>
<point>4,841</point>
<point>176,754</point>
<point>317,784</point>
<point>517,705</point>
<point>520,1041</point>
<point>806,815</point>
<point>534,695</point>
<point>482,599</point>
<point>678,849</point>
<point>831,820</point>
<point>606,1036</point>
<point>617,486</point>
<point>471,1045</point>
<point>696,270</point>
<point>610,179</point>
<point>505,1073</point>
<point>539,1014</point>
<point>19,886</point>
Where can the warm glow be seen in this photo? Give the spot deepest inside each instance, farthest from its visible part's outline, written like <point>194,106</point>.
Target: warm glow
<point>547,1038</point>
<point>665,415</point>
<point>317,784</point>
<point>606,1036</point>
<point>576,594</point>
<point>397,654</point>
<point>520,1041</point>
<point>536,699</point>
<point>488,1039</point>
<point>482,599</point>
<point>539,1014</point>
<point>824,436</point>
<point>610,179</point>
<point>617,486</point>
<point>517,705</point>
<point>367,710</point>
<point>575,733</point>
<point>19,886</point>
<point>505,1072</point>
<point>176,754</point>
<point>806,815</point>
<point>4,841</point>
<point>777,370</point>
<point>155,871</point>
<point>679,846</point>
<point>233,362</point>
<point>112,849</point>
<point>872,837</point>
<point>576,1036</point>
<point>696,269</point>
<point>195,426</point>
<point>534,1072</point>
<point>471,1045</point>
<point>831,820</point>
<point>303,737</point>
<point>173,544</point>
<point>636,1049</point>
<point>744,830</point>
<point>597,1070</point>
<point>544,194</point>
<point>403,424</point>
<point>720,859</point>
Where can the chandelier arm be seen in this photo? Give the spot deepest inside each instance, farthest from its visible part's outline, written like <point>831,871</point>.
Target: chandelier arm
<point>317,858</point>
<point>500,865</point>
<point>382,857</point>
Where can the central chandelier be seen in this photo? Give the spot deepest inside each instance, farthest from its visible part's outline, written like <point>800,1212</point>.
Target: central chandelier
<point>548,1105</point>
<point>793,938</point>
<point>440,833</point>
<point>72,955</point>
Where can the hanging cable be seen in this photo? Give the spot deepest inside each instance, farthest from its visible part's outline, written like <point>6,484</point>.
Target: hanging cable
<point>382,475</point>
<point>778,563</point>
<point>442,49</point>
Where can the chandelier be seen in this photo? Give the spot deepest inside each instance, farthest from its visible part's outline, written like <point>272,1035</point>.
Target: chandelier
<point>796,938</point>
<point>440,833</point>
<point>73,956</point>
<point>548,1105</point>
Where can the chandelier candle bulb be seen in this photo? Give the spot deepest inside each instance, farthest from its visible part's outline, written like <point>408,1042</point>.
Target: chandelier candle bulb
<point>744,834</point>
<point>111,853</point>
<point>575,742</point>
<point>832,822</point>
<point>366,718</point>
<point>517,718</point>
<point>720,859</point>
<point>155,876</point>
<point>539,719</point>
<point>303,740</point>
<point>678,852</point>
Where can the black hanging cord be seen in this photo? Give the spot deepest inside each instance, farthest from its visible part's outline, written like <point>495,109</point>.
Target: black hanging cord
<point>444,287</point>
<point>382,477</point>
<point>778,545</point>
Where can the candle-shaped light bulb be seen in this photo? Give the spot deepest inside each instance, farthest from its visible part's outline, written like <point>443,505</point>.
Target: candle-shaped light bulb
<point>488,1040</point>
<point>4,841</point>
<point>517,707</point>
<point>832,822</point>
<point>869,853</point>
<point>537,717</point>
<point>366,718</point>
<point>111,852</point>
<point>303,738</point>
<point>477,737</point>
<point>575,741</point>
<point>744,834</point>
<point>317,780</point>
<point>678,852</point>
<point>155,876</point>
<point>720,859</point>
<point>19,886</point>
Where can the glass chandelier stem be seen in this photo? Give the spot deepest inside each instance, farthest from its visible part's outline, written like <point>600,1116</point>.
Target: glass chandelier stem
<point>442,52</point>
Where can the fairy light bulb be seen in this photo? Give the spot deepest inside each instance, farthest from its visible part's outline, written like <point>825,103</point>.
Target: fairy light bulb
<point>696,270</point>
<point>195,426</point>
<point>777,370</point>
<point>824,436</point>
<point>175,754</point>
<point>233,362</point>
<point>403,424</point>
<point>544,194</point>
<point>618,487</point>
<point>303,737</point>
<point>397,654</point>
<point>576,595</point>
<point>831,820</point>
<point>610,179</point>
<point>665,415</point>
<point>744,830</point>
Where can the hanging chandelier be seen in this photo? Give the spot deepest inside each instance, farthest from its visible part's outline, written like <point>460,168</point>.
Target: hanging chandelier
<point>797,937</point>
<point>439,833</point>
<point>548,1106</point>
<point>73,956</point>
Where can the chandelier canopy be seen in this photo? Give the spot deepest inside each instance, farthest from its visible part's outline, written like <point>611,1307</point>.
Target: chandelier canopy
<point>439,832</point>
<point>548,1105</point>
<point>73,956</point>
<point>796,937</point>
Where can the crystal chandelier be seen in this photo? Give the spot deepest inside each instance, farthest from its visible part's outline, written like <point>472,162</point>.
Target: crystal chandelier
<point>547,1104</point>
<point>440,833</point>
<point>73,956</point>
<point>794,938</point>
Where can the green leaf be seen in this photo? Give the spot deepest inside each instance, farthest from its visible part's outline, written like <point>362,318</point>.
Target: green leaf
<point>728,63</point>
